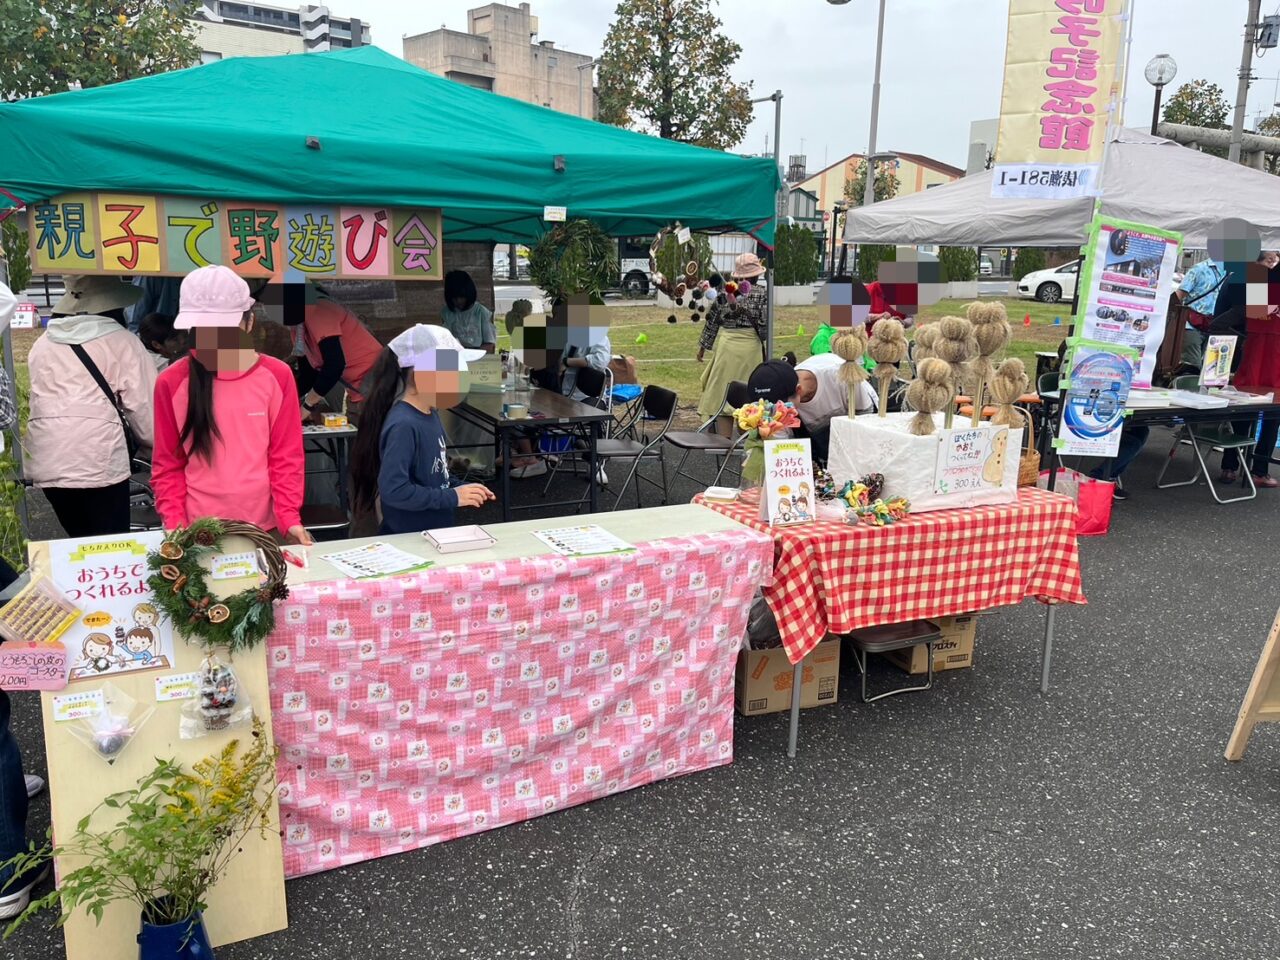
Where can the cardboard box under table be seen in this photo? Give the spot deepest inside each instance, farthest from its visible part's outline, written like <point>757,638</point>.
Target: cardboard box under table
<point>953,652</point>
<point>764,679</point>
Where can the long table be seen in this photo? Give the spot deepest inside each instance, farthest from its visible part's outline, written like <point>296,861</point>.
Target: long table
<point>546,410</point>
<point>504,683</point>
<point>831,577</point>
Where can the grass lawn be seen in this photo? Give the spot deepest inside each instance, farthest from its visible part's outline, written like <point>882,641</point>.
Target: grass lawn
<point>667,357</point>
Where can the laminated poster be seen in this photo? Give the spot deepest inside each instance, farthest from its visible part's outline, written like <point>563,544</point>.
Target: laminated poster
<point>788,482</point>
<point>1096,391</point>
<point>121,629</point>
<point>1125,285</point>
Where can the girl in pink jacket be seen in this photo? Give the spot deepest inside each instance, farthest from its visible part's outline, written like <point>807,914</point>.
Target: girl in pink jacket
<point>228,433</point>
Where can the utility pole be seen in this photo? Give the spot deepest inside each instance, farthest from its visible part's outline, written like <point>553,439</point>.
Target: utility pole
<point>1246,70</point>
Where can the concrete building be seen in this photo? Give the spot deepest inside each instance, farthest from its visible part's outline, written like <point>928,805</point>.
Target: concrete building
<point>500,52</point>
<point>802,207</point>
<point>915,172</point>
<point>230,29</point>
<point>982,144</point>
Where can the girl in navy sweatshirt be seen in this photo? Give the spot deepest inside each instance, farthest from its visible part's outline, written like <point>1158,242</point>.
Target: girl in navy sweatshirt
<point>399,458</point>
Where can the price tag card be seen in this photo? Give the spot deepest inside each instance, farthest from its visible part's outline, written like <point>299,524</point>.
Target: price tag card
<point>177,686</point>
<point>77,706</point>
<point>971,459</point>
<point>33,666</point>
<point>234,566</point>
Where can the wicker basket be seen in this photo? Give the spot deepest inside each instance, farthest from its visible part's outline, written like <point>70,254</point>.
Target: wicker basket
<point>1029,460</point>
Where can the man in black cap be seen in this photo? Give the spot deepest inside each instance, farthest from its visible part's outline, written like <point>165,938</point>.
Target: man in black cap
<point>814,387</point>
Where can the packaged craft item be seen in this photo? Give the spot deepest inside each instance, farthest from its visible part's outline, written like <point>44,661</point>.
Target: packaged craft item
<point>221,704</point>
<point>38,614</point>
<point>110,732</point>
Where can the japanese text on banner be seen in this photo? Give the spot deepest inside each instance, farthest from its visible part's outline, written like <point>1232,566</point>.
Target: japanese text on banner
<point>1060,76</point>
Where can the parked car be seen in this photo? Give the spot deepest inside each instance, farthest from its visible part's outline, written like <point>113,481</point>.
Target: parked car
<point>985,267</point>
<point>1052,285</point>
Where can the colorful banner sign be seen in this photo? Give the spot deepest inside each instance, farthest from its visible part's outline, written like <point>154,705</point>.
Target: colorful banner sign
<point>1126,281</point>
<point>788,482</point>
<point>1095,389</point>
<point>1060,79</point>
<point>111,233</point>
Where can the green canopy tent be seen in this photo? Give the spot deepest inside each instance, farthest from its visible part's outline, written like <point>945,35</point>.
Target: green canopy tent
<point>388,133</point>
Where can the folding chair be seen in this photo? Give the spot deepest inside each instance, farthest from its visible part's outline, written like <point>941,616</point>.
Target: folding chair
<point>597,386</point>
<point>1205,438</point>
<point>894,636</point>
<point>705,438</point>
<point>656,405</point>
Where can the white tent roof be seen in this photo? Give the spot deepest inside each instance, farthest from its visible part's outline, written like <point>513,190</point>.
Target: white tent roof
<point>1147,180</point>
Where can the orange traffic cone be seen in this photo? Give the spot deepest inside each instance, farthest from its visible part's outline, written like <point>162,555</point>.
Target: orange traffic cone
<point>1026,321</point>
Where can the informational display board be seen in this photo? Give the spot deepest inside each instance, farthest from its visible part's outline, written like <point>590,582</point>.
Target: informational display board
<point>971,459</point>
<point>1095,384</point>
<point>128,234</point>
<point>788,482</point>
<point>1262,699</point>
<point>250,900</point>
<point>1126,282</point>
<point>1060,77</point>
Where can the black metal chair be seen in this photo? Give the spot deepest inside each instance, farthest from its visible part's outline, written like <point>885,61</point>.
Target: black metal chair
<point>894,636</point>
<point>597,387</point>
<point>704,439</point>
<point>657,405</point>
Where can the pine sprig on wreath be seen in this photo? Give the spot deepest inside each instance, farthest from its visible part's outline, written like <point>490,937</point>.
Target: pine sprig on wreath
<point>179,581</point>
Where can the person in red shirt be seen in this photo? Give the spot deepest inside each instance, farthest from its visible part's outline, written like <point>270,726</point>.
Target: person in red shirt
<point>880,306</point>
<point>228,439</point>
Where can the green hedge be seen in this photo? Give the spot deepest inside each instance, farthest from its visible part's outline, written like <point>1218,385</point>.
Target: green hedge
<point>795,256</point>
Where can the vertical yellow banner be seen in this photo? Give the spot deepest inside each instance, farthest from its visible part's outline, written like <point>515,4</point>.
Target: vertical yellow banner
<point>1060,74</point>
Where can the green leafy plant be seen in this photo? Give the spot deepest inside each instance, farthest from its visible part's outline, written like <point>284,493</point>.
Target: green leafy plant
<point>16,254</point>
<point>172,839</point>
<point>666,69</point>
<point>674,255</point>
<point>870,256</point>
<point>1028,260</point>
<point>887,183</point>
<point>959,263</point>
<point>795,255</point>
<point>574,257</point>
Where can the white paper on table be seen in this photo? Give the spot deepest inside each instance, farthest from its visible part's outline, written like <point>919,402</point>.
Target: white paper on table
<point>375,560</point>
<point>586,541</point>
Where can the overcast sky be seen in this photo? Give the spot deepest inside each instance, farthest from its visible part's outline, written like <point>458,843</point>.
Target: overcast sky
<point>943,61</point>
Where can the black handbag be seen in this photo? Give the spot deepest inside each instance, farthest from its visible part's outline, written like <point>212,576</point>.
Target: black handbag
<point>131,442</point>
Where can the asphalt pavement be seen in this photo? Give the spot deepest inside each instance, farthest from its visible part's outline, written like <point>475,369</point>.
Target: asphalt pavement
<point>977,820</point>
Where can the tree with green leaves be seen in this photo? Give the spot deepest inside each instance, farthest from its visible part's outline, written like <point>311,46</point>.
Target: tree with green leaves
<point>795,255</point>
<point>665,70</point>
<point>887,183</point>
<point>50,46</point>
<point>1270,127</point>
<point>1199,103</point>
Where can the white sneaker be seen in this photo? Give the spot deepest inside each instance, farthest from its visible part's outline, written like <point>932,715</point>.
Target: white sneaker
<point>34,784</point>
<point>13,902</point>
<point>538,469</point>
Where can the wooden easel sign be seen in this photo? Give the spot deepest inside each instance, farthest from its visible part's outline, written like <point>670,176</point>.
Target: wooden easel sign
<point>1262,700</point>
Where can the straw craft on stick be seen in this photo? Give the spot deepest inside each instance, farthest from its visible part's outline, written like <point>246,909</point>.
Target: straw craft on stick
<point>888,348</point>
<point>849,346</point>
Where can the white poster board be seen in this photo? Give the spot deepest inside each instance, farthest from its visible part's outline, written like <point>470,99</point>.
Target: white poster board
<point>788,482</point>
<point>971,458</point>
<point>120,630</point>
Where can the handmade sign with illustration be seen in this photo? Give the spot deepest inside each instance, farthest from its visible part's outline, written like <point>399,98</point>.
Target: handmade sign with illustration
<point>121,629</point>
<point>971,459</point>
<point>788,482</point>
<point>1096,382</point>
<point>117,234</point>
<point>1218,354</point>
<point>33,666</point>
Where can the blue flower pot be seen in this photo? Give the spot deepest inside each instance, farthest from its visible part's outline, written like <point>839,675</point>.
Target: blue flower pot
<point>175,941</point>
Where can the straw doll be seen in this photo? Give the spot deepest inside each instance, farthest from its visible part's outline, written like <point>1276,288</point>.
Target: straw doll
<point>849,346</point>
<point>957,345</point>
<point>926,341</point>
<point>929,393</point>
<point>888,348</point>
<point>1008,384</point>
<point>991,330</point>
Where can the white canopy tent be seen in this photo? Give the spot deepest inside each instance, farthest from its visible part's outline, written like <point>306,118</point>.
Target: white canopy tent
<point>1146,180</point>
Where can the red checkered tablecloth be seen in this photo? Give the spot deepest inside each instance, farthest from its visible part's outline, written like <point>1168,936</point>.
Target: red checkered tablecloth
<point>832,577</point>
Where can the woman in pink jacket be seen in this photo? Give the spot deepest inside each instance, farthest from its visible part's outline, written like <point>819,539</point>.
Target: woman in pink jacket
<point>75,445</point>
<point>228,433</point>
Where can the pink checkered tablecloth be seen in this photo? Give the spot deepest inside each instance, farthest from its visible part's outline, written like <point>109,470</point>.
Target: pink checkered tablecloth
<point>417,709</point>
<point>833,577</point>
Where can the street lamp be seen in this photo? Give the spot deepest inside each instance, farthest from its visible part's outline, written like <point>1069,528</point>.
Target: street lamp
<point>1160,71</point>
<point>776,98</point>
<point>869,194</point>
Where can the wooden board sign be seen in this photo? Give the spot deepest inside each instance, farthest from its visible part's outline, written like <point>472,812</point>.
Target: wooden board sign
<point>127,235</point>
<point>1262,699</point>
